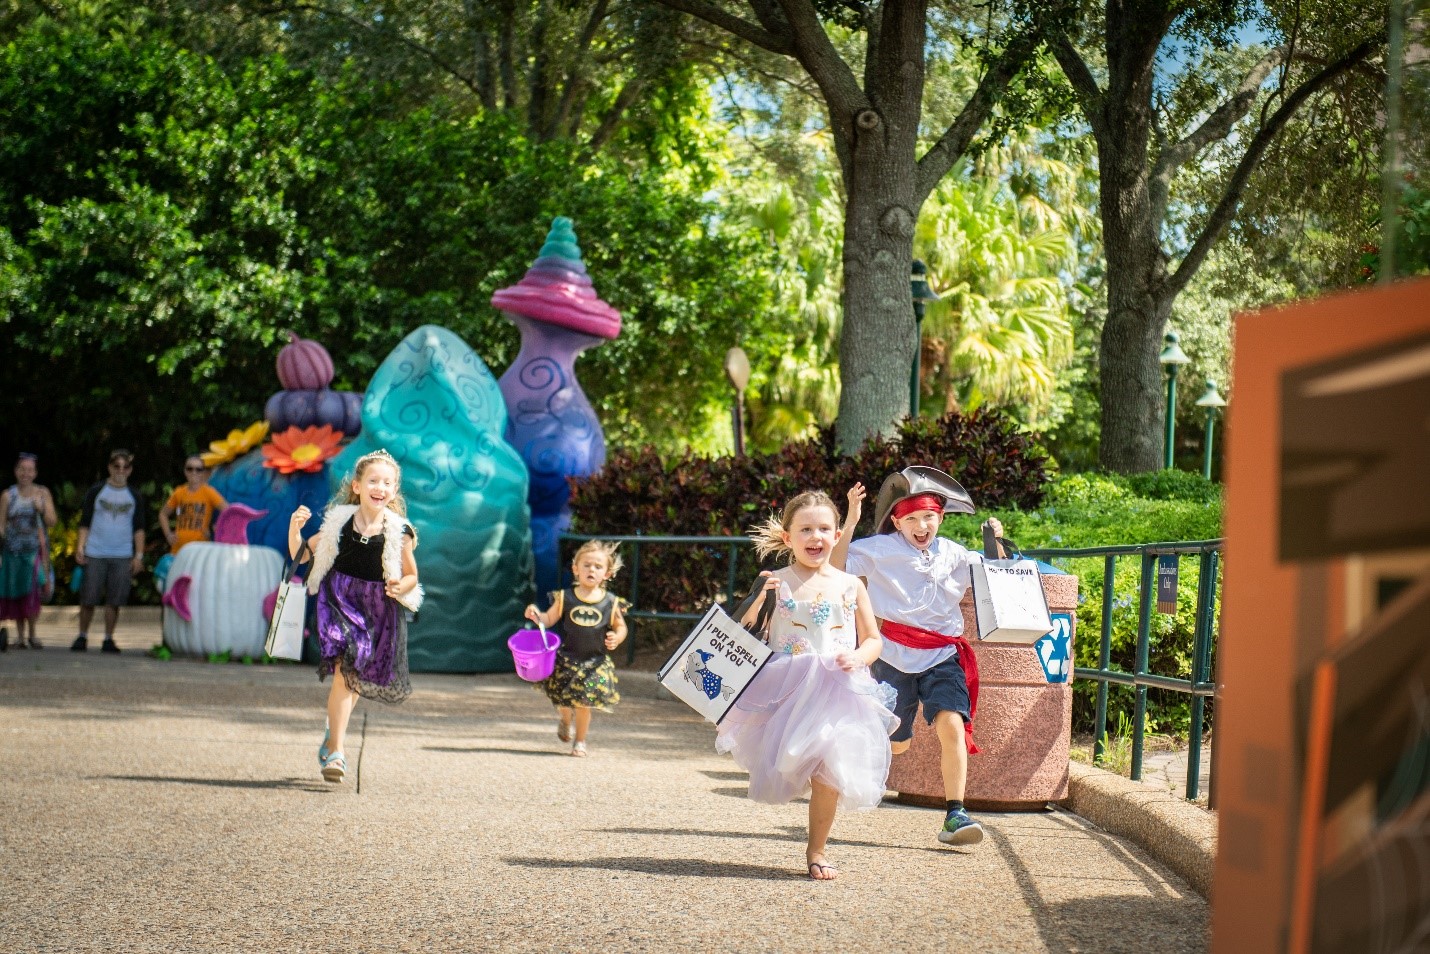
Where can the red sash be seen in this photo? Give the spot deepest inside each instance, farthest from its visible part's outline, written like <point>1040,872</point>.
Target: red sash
<point>916,638</point>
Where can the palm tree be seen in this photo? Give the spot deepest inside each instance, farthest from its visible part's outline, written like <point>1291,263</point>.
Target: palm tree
<point>800,392</point>
<point>999,241</point>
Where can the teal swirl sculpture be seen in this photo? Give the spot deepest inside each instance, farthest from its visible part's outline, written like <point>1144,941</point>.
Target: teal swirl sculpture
<point>435,407</point>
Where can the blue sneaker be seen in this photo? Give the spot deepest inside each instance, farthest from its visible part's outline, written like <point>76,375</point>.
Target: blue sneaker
<point>959,829</point>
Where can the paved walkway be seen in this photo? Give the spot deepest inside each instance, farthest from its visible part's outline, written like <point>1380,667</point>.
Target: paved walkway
<point>1167,772</point>
<point>153,806</point>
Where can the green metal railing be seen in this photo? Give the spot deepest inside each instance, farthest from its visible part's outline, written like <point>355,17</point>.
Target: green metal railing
<point>1200,686</point>
<point>632,545</point>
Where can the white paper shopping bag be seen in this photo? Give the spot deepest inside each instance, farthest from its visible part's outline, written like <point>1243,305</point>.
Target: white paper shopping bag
<point>285,628</point>
<point>714,665</point>
<point>1011,606</point>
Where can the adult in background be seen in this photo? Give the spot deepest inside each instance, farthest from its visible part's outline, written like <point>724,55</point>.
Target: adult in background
<point>26,512</point>
<point>110,548</point>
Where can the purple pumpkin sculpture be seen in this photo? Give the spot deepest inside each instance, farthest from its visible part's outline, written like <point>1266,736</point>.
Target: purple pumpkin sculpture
<point>305,369</point>
<point>304,365</point>
<point>340,410</point>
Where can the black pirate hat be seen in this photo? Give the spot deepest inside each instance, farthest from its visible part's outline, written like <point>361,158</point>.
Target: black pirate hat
<point>912,481</point>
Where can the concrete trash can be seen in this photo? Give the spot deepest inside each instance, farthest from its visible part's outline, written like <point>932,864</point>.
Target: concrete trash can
<point>1024,721</point>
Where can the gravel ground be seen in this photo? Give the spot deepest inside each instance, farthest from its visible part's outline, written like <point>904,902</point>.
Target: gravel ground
<point>153,806</point>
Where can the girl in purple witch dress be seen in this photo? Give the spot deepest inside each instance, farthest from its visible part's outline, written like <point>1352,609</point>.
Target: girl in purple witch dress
<point>365,578</point>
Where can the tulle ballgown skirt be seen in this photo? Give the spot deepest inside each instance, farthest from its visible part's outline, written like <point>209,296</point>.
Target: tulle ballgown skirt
<point>804,718</point>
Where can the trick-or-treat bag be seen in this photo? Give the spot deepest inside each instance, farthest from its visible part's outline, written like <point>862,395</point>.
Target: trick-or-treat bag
<point>1011,606</point>
<point>715,663</point>
<point>285,626</point>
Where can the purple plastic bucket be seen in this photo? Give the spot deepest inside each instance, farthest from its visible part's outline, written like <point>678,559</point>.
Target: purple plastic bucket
<point>534,652</point>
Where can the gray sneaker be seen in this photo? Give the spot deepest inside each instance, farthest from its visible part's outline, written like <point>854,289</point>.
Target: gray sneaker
<point>959,829</point>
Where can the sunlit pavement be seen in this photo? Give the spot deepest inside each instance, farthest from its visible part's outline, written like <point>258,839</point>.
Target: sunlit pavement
<point>177,806</point>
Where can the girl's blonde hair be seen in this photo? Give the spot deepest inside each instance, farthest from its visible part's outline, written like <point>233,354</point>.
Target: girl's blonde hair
<point>769,535</point>
<point>398,504</point>
<point>613,558</point>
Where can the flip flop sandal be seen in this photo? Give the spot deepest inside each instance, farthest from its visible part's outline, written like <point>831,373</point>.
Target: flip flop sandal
<point>335,767</point>
<point>822,866</point>
<point>563,731</point>
<point>579,750</point>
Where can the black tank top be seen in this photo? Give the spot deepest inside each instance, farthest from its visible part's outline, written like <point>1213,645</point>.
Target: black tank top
<point>583,625</point>
<point>362,557</point>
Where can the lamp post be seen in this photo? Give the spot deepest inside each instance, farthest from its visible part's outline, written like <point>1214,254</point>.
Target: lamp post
<point>1213,402</point>
<point>1172,358</point>
<point>921,292</point>
<point>737,369</point>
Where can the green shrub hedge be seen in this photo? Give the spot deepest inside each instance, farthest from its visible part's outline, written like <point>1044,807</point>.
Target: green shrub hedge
<point>1092,510</point>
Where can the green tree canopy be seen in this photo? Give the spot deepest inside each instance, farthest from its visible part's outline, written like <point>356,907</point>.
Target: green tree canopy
<point>164,221</point>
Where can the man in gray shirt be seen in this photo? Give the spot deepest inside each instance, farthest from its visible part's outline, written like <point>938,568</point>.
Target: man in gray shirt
<point>110,548</point>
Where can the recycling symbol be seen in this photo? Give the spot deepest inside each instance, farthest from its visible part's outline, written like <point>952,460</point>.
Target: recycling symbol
<point>1055,649</point>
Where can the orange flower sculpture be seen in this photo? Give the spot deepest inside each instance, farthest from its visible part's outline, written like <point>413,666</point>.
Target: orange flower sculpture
<point>303,449</point>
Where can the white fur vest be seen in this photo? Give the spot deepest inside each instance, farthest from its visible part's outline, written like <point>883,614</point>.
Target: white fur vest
<point>325,550</point>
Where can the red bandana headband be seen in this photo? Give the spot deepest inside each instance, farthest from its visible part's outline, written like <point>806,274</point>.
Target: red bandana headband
<point>916,503</point>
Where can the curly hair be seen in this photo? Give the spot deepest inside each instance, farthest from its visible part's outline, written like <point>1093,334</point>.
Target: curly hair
<point>610,550</point>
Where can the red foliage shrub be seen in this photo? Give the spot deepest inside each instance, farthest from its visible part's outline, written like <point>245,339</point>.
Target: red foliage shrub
<point>637,492</point>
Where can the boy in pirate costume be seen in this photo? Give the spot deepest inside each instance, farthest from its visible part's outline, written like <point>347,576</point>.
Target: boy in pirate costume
<point>915,580</point>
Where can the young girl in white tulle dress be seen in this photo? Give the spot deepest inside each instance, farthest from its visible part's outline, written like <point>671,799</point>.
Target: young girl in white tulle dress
<point>813,721</point>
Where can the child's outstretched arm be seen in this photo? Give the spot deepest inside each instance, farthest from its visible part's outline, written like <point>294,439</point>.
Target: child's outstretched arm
<point>548,618</point>
<point>857,493</point>
<point>295,530</point>
<point>871,644</point>
<point>996,525</point>
<point>617,633</point>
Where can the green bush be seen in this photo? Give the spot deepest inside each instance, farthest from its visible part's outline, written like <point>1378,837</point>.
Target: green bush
<point>1092,510</point>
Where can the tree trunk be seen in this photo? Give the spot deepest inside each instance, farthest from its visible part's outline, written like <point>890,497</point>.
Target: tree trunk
<point>1137,311</point>
<point>1133,394</point>
<point>1137,306</point>
<point>876,347</point>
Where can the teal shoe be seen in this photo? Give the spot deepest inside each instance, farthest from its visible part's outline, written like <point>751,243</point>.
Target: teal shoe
<point>959,829</point>
<point>335,767</point>
<point>323,749</point>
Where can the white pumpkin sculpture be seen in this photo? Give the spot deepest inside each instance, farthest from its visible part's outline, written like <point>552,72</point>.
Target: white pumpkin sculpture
<point>214,596</point>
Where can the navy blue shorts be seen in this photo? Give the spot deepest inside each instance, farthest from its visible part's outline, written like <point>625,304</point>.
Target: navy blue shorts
<point>941,689</point>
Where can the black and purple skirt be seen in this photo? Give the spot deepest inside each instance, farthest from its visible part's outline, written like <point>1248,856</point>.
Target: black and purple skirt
<point>363,633</point>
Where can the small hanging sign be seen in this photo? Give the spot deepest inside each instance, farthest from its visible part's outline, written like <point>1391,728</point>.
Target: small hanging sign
<point>1167,583</point>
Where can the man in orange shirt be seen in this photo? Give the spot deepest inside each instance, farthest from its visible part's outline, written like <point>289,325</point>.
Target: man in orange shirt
<point>193,507</point>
